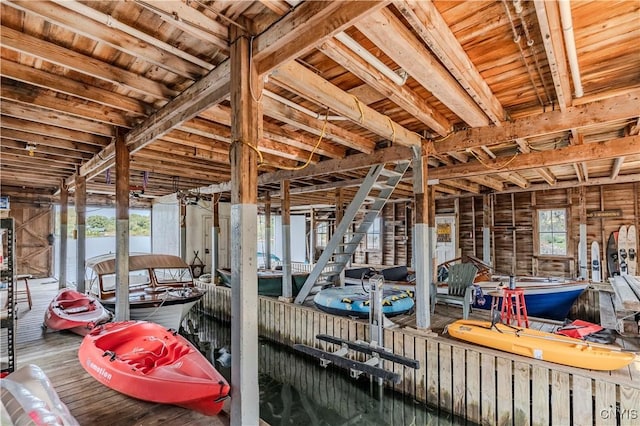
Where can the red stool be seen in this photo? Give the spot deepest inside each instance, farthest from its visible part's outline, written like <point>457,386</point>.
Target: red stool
<point>514,307</point>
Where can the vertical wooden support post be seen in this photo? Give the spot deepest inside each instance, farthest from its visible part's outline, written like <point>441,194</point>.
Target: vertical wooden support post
<point>456,211</point>
<point>183,231</point>
<point>514,245</point>
<point>215,235</point>
<point>339,215</point>
<point>246,126</point>
<point>473,225</point>
<point>605,240</point>
<point>267,232</point>
<point>312,237</point>
<point>536,234</point>
<point>64,220</point>
<point>122,228</point>
<point>486,229</point>
<point>573,265</point>
<point>582,244</point>
<point>81,220</point>
<point>431,223</point>
<point>287,281</point>
<point>422,242</point>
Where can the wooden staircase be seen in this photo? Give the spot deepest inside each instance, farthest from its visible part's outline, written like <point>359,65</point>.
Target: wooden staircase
<point>345,240</point>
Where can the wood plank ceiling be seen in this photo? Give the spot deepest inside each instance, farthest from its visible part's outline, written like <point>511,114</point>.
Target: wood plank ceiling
<point>493,89</point>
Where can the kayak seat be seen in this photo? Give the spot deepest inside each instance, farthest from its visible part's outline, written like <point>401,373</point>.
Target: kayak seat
<point>175,351</point>
<point>145,359</point>
<point>74,303</point>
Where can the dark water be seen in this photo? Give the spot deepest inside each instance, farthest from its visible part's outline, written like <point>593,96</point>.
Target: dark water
<point>295,390</point>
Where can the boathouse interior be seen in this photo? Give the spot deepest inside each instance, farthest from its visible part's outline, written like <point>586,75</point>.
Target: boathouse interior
<point>449,128</point>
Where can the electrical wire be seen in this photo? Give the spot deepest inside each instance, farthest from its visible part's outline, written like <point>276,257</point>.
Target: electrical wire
<point>490,166</point>
<point>322,132</point>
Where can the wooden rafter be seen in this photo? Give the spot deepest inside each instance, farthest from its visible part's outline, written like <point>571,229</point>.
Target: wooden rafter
<point>427,22</point>
<point>571,154</point>
<point>300,80</point>
<point>397,42</point>
<point>612,109</point>
<point>404,97</point>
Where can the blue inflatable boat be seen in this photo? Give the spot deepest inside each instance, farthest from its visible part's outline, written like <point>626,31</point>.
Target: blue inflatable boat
<point>354,301</point>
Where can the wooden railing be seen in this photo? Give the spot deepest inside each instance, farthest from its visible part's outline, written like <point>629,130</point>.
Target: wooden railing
<point>482,385</point>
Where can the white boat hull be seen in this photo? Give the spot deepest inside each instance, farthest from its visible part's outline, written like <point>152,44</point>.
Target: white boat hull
<point>169,316</point>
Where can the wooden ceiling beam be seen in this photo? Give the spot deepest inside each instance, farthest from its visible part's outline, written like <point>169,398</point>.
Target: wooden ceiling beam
<point>166,148</point>
<point>465,185</point>
<point>301,141</point>
<point>551,31</point>
<point>402,96</point>
<point>274,109</point>
<point>306,83</point>
<point>617,165</point>
<point>487,181</point>
<point>32,113</point>
<point>67,86</point>
<point>400,44</point>
<point>77,108</point>
<point>206,92</point>
<point>607,110</point>
<point>166,167</point>
<point>65,17</point>
<point>445,189</point>
<point>40,148</point>
<point>37,164</point>
<point>192,21</point>
<point>428,23</point>
<point>67,58</point>
<point>149,40</point>
<point>269,146</point>
<point>513,177</point>
<point>45,130</point>
<point>302,121</point>
<point>573,184</point>
<point>544,172</point>
<point>77,148</point>
<point>613,148</point>
<point>547,175</point>
<point>10,151</point>
<point>22,180</point>
<point>352,162</point>
<point>305,27</point>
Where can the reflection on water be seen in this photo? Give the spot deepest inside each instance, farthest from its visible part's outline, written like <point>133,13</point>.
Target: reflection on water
<point>295,390</point>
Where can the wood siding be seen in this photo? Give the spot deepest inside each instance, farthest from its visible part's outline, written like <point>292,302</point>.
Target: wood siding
<point>514,226</point>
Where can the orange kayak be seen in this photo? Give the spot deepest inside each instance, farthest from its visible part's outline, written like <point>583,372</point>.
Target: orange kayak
<point>147,361</point>
<point>541,345</point>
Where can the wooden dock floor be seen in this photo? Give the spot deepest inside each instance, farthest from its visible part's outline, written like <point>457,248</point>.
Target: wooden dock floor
<point>90,402</point>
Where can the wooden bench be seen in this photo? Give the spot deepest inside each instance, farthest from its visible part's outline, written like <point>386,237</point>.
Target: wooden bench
<point>622,307</point>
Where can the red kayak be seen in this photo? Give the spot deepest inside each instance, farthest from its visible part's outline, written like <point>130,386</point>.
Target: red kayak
<point>147,361</point>
<point>72,310</point>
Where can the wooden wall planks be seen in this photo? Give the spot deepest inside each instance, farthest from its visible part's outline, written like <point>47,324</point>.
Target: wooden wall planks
<point>514,226</point>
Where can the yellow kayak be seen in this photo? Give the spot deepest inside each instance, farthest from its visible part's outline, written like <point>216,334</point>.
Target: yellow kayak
<point>541,345</point>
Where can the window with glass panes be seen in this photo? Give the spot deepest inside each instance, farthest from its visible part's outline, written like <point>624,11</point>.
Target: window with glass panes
<point>552,232</point>
<point>374,235</point>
